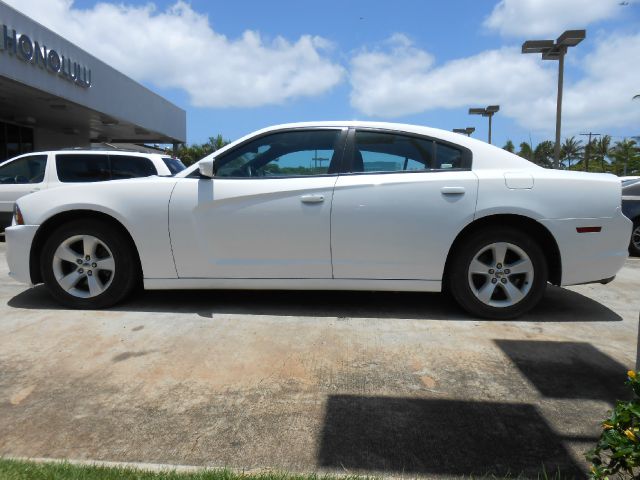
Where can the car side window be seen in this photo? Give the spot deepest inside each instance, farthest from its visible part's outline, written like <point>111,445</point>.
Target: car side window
<point>82,168</point>
<point>632,190</point>
<point>125,166</point>
<point>282,154</point>
<point>390,152</point>
<point>25,170</point>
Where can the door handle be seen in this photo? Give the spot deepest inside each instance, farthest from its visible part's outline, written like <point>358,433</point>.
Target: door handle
<point>33,190</point>
<point>452,190</point>
<point>312,198</point>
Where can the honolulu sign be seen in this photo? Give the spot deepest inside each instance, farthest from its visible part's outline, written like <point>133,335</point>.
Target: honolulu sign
<point>23,48</point>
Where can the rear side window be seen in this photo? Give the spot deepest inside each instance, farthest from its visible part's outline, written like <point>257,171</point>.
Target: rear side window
<point>24,170</point>
<point>100,167</point>
<point>123,166</point>
<point>632,190</point>
<point>173,164</point>
<point>82,168</point>
<point>391,152</point>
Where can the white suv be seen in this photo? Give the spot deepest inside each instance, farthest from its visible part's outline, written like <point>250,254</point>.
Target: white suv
<point>36,171</point>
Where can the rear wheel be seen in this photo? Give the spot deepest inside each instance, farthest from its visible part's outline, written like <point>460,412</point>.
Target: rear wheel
<point>88,264</point>
<point>498,274</point>
<point>634,244</point>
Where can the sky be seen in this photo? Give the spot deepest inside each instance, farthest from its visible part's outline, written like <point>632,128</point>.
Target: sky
<point>237,66</point>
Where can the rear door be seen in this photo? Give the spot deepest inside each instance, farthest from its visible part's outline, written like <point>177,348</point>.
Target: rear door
<point>398,211</point>
<point>20,177</point>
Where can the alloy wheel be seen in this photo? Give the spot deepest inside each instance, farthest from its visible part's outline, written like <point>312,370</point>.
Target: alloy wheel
<point>83,266</point>
<point>635,237</point>
<point>500,274</point>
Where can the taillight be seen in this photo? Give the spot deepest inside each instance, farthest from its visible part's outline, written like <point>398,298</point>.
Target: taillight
<point>17,215</point>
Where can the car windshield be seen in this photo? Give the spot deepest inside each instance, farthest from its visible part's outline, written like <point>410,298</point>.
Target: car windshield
<point>173,164</point>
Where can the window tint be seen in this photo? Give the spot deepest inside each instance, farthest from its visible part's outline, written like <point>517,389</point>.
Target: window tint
<point>82,168</point>
<point>448,157</point>
<point>24,170</point>
<point>173,164</point>
<point>282,154</point>
<point>632,189</point>
<point>390,152</point>
<point>124,166</point>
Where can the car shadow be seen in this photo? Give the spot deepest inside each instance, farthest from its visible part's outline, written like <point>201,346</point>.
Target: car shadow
<point>441,437</point>
<point>571,370</point>
<point>558,304</point>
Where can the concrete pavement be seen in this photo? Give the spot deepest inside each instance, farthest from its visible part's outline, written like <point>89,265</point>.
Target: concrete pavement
<point>393,383</point>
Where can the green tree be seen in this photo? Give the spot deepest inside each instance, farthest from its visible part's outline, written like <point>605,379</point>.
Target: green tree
<point>571,150</point>
<point>526,151</point>
<point>190,154</point>
<point>626,157</point>
<point>543,154</point>
<point>601,151</point>
<point>509,146</point>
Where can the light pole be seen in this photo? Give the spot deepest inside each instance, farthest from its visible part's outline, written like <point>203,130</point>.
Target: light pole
<point>486,112</point>
<point>551,50</point>
<point>466,131</point>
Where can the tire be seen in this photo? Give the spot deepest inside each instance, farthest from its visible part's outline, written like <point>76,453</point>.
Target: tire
<point>634,243</point>
<point>490,289</point>
<point>107,277</point>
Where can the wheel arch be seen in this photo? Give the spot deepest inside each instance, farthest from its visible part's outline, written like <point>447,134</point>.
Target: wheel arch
<point>54,222</point>
<point>539,232</point>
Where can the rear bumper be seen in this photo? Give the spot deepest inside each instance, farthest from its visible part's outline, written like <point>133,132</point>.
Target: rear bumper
<point>591,257</point>
<point>19,239</point>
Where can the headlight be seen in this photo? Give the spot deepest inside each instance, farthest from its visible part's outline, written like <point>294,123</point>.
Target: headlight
<point>17,215</point>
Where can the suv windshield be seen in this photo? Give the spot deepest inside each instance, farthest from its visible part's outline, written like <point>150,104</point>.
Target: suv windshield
<point>173,164</point>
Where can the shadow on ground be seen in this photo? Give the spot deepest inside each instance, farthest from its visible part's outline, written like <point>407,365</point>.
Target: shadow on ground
<point>572,370</point>
<point>558,305</point>
<point>445,437</point>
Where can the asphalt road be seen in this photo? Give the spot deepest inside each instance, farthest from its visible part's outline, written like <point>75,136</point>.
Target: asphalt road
<point>394,383</point>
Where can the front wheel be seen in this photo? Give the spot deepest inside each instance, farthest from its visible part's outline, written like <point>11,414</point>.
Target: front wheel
<point>88,264</point>
<point>634,244</point>
<point>498,274</point>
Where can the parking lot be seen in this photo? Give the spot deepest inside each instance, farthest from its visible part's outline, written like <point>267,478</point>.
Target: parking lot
<point>395,383</point>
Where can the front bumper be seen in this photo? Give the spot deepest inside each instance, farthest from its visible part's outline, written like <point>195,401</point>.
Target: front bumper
<point>19,239</point>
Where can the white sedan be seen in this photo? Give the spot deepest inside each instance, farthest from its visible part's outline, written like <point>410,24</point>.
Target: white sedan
<point>332,206</point>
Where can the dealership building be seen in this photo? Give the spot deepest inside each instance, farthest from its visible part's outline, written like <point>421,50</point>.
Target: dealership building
<point>55,95</point>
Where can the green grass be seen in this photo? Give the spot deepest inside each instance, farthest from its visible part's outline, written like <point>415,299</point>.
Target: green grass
<point>25,470</point>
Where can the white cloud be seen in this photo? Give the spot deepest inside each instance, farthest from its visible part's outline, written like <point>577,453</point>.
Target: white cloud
<point>177,48</point>
<point>549,18</point>
<point>402,79</point>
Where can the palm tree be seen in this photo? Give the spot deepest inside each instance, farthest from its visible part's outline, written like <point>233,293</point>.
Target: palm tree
<point>602,149</point>
<point>543,154</point>
<point>625,152</point>
<point>509,146</point>
<point>571,149</point>
<point>525,151</point>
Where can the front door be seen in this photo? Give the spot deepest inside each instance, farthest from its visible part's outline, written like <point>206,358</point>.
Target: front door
<point>265,214</point>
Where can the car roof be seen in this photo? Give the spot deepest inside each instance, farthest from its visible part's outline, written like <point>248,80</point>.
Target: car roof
<point>105,151</point>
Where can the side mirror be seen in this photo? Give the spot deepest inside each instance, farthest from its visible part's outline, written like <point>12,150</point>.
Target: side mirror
<point>206,167</point>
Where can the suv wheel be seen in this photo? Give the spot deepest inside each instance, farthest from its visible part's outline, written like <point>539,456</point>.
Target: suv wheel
<point>498,274</point>
<point>634,244</point>
<point>88,264</point>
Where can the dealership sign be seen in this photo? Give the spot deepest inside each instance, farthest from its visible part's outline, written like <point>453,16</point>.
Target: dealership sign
<point>23,48</point>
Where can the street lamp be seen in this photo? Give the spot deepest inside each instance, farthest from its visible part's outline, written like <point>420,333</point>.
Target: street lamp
<point>551,50</point>
<point>486,112</point>
<point>466,131</point>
